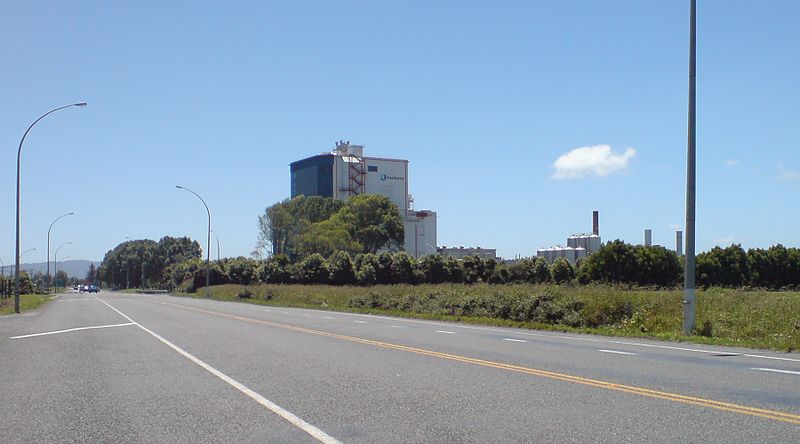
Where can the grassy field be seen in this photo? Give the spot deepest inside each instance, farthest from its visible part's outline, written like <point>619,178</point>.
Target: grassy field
<point>758,319</point>
<point>27,302</point>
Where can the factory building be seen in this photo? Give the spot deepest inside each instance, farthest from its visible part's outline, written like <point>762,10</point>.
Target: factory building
<point>578,245</point>
<point>346,172</point>
<point>461,252</point>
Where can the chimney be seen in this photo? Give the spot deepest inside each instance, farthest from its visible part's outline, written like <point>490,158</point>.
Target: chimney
<point>596,222</point>
<point>648,237</point>
<point>679,243</point>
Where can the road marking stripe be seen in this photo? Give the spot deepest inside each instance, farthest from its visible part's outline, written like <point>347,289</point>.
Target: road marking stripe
<point>515,340</point>
<point>667,396</point>
<point>616,352</point>
<point>569,338</point>
<point>69,330</point>
<point>360,322</point>
<point>775,370</point>
<point>318,434</point>
<point>328,317</point>
<point>446,332</point>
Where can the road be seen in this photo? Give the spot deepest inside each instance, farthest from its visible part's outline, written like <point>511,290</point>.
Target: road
<point>133,368</point>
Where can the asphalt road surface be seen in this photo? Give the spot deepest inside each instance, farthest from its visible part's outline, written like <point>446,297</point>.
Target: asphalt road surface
<point>133,368</point>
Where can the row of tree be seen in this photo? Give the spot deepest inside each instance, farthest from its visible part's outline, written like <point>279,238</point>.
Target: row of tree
<point>302,226</point>
<point>176,263</point>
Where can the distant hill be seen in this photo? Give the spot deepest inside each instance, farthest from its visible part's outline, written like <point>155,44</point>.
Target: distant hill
<point>76,268</point>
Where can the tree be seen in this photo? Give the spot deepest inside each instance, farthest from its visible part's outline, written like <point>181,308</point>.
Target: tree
<point>403,269</point>
<point>562,271</point>
<point>724,267</point>
<point>326,238</point>
<point>474,269</point>
<point>433,268</point>
<point>91,275</point>
<point>541,271</point>
<point>340,269</point>
<point>375,222</point>
<point>615,261</point>
<point>281,224</point>
<point>276,270</point>
<point>313,270</point>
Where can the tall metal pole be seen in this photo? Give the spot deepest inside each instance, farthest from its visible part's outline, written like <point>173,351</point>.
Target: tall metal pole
<point>19,157</point>
<point>215,235</point>
<point>689,300</point>
<point>48,244</point>
<point>55,259</point>
<point>208,244</point>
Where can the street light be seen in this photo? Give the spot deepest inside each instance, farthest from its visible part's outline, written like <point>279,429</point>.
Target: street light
<point>217,237</point>
<point>48,244</point>
<point>435,250</point>
<point>689,299</point>
<point>19,158</point>
<point>208,245</point>
<point>26,252</point>
<point>63,259</point>
<point>55,259</point>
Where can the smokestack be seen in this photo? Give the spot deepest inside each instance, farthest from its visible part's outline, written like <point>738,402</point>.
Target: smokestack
<point>596,222</point>
<point>679,243</point>
<point>648,237</point>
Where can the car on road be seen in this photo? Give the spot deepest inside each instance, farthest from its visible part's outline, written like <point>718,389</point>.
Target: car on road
<point>93,289</point>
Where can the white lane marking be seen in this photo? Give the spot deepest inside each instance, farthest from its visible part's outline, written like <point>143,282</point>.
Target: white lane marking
<point>616,352</point>
<point>275,408</point>
<point>446,332</point>
<point>514,340</point>
<point>775,370</point>
<point>395,326</point>
<point>285,312</point>
<point>328,317</point>
<point>556,336</point>
<point>69,330</point>
<point>569,338</point>
<point>75,300</point>
<point>360,322</point>
<point>772,357</point>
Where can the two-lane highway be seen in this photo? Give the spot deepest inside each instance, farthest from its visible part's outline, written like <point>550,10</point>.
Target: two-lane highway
<point>133,368</point>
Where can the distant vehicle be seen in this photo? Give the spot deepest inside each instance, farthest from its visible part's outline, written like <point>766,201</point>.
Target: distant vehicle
<point>84,288</point>
<point>93,289</point>
<point>75,287</point>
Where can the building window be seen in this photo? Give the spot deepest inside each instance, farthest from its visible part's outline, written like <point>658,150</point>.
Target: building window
<point>372,168</point>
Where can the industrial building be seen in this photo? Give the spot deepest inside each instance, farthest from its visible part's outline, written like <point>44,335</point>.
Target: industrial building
<point>346,172</point>
<point>578,245</point>
<point>461,252</point>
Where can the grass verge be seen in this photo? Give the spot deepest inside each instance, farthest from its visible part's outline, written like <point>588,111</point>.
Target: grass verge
<point>744,318</point>
<point>27,302</point>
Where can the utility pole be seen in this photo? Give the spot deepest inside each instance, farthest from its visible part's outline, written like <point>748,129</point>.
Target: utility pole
<point>689,296</point>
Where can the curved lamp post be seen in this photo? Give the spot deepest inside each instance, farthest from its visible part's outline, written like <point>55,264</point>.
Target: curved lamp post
<point>48,244</point>
<point>55,258</point>
<point>435,250</point>
<point>208,245</point>
<point>19,157</point>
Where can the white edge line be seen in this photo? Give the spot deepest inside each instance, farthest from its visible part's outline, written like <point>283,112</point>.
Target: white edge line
<point>616,352</point>
<point>550,335</point>
<point>514,340</point>
<point>775,370</point>
<point>69,330</point>
<point>318,434</point>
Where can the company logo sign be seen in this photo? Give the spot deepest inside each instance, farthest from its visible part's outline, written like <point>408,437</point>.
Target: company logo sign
<point>385,177</point>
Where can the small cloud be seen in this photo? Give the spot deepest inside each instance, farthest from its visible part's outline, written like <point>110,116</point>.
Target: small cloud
<point>674,227</point>
<point>785,175</point>
<point>597,160</point>
<point>732,163</point>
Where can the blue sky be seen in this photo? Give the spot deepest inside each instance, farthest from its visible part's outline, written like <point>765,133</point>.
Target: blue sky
<point>482,98</point>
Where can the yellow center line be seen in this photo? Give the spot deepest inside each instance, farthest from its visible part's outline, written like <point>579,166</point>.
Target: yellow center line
<point>674,397</point>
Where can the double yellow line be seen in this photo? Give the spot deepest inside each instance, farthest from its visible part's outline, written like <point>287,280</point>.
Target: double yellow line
<point>674,397</point>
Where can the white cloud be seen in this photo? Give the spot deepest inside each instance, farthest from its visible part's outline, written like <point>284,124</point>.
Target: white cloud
<point>785,175</point>
<point>597,160</point>
<point>674,227</point>
<point>732,163</point>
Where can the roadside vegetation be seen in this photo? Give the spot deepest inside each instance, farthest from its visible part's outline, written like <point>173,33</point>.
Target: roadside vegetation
<point>346,256</point>
<point>27,302</point>
<point>746,318</point>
